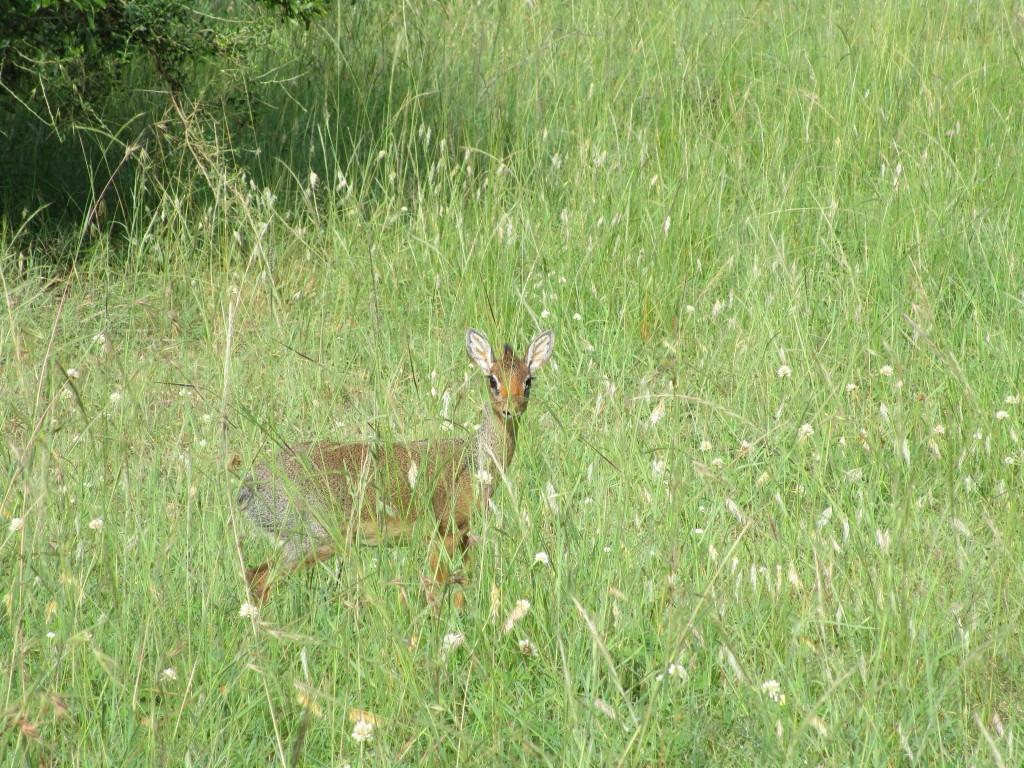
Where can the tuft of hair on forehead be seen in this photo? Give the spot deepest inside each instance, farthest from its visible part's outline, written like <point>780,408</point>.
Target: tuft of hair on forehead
<point>509,358</point>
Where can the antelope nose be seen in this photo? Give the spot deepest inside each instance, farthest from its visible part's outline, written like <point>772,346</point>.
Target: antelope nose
<point>513,409</point>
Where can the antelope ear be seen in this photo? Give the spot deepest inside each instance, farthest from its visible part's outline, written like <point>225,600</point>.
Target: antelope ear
<point>479,350</point>
<point>540,350</point>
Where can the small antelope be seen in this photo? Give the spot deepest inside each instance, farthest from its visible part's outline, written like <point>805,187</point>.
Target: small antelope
<point>319,494</point>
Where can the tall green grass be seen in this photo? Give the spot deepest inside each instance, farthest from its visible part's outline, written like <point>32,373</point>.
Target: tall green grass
<point>738,218</point>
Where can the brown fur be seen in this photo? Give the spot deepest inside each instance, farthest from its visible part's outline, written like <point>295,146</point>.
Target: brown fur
<point>319,494</point>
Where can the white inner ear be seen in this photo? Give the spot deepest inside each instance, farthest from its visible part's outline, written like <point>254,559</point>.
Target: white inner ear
<point>479,350</point>
<point>540,350</point>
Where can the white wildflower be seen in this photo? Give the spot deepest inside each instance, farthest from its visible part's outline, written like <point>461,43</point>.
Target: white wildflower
<point>115,398</point>
<point>718,462</point>
<point>73,373</point>
<point>785,372</point>
<point>851,387</point>
<point>96,524</point>
<point>774,691</point>
<point>526,647</point>
<point>886,370</point>
<point>674,670</point>
<point>806,430</point>
<point>248,611</point>
<point>169,674</point>
<point>939,429</point>
<point>452,641</point>
<point>99,338</point>
<point>1011,400</point>
<point>1000,415</point>
<point>363,730</point>
<point>542,558</point>
<point>16,525</point>
<point>484,476</point>
<point>705,446</point>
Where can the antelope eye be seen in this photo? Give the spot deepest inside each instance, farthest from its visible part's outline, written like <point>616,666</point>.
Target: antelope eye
<point>493,382</point>
<point>528,382</point>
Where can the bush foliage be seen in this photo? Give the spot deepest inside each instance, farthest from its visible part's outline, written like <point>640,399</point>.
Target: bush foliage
<point>87,85</point>
<point>69,51</point>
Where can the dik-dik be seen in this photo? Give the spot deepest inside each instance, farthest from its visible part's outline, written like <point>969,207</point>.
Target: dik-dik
<point>316,496</point>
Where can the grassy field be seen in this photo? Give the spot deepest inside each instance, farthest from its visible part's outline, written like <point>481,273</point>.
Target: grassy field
<point>775,463</point>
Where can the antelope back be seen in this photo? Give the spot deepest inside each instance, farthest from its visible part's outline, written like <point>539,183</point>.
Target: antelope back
<point>381,486</point>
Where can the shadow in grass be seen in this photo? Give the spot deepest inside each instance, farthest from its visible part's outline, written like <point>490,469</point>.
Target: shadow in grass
<point>140,158</point>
